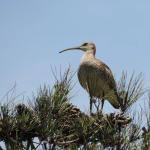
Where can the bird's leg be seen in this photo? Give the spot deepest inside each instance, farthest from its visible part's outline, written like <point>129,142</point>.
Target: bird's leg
<point>91,105</point>
<point>102,102</point>
<point>97,106</point>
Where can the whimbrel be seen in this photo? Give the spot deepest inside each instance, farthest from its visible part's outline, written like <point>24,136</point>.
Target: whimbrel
<point>95,76</point>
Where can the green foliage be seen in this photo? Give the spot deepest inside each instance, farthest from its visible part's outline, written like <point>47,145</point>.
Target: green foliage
<point>52,119</point>
<point>131,92</point>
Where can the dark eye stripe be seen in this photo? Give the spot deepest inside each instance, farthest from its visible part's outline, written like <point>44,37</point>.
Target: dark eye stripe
<point>85,44</point>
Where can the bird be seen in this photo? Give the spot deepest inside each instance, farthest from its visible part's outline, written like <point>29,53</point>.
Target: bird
<point>95,76</point>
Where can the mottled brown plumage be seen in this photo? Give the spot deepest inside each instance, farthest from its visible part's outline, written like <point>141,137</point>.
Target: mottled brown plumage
<point>95,76</point>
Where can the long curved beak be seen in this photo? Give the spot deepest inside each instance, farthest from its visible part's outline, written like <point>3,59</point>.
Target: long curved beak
<point>77,47</point>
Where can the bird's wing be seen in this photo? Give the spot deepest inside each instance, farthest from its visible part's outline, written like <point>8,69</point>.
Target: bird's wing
<point>108,72</point>
<point>111,82</point>
<point>103,66</point>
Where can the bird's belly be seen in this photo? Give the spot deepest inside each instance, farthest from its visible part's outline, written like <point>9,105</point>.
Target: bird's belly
<point>95,82</point>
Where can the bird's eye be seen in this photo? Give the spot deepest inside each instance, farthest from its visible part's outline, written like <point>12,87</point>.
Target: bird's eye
<point>85,44</point>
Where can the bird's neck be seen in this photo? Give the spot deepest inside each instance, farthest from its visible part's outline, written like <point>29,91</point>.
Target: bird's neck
<point>90,52</point>
<point>88,55</point>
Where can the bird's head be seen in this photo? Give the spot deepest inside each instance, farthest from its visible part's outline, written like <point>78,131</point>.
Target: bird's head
<point>86,46</point>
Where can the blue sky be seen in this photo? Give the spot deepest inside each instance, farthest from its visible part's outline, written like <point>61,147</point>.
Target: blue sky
<point>33,32</point>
